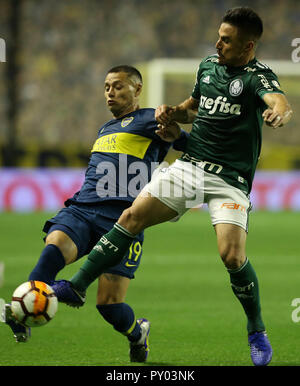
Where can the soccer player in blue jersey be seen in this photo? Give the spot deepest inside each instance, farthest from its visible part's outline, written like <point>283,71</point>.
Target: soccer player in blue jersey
<point>124,156</point>
<point>233,96</point>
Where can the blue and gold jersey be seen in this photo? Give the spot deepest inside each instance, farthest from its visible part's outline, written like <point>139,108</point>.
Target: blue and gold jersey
<point>123,158</point>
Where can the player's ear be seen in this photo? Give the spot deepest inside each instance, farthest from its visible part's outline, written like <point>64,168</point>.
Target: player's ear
<point>138,90</point>
<point>249,46</point>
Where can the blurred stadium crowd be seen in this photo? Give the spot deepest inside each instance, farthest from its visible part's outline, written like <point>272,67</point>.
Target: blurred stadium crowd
<point>66,47</point>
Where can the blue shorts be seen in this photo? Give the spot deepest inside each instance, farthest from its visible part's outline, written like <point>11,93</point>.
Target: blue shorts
<point>85,226</point>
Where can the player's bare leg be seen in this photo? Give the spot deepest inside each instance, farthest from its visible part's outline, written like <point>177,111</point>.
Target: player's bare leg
<point>145,211</point>
<point>232,244</point>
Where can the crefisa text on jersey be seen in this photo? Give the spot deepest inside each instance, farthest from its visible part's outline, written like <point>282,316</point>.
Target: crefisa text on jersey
<point>151,375</point>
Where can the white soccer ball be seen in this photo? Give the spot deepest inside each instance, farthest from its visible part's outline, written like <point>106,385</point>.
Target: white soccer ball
<point>34,303</point>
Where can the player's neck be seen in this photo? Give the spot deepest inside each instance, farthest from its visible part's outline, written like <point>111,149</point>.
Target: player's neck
<point>126,112</point>
<point>245,61</point>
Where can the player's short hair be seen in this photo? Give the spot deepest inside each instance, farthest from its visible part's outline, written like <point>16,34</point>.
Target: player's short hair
<point>130,70</point>
<point>246,20</point>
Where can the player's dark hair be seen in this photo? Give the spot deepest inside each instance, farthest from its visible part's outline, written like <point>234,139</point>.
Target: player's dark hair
<point>246,20</point>
<point>131,71</point>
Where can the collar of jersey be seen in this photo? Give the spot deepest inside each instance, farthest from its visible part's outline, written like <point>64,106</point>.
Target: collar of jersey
<point>237,69</point>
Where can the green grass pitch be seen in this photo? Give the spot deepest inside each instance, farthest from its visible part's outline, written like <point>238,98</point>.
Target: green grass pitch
<point>181,287</point>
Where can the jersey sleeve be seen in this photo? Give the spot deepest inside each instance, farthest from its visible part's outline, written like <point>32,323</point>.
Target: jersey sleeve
<point>266,82</point>
<point>180,143</point>
<point>196,90</point>
<point>149,123</point>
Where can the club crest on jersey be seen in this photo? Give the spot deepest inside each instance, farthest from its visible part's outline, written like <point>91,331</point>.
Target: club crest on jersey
<point>125,122</point>
<point>236,87</point>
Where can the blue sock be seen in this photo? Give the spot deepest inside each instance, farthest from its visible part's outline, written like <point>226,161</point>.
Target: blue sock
<point>50,263</point>
<point>121,317</point>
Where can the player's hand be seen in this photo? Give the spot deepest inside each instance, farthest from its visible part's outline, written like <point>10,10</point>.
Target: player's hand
<point>163,114</point>
<point>169,132</point>
<point>272,118</point>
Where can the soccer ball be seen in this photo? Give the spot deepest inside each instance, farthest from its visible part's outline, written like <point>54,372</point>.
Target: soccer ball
<point>34,303</point>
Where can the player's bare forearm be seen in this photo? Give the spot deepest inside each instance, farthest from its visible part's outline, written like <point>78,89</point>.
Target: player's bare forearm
<point>183,115</point>
<point>279,111</point>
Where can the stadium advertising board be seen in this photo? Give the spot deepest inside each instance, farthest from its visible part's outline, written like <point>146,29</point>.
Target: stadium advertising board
<point>47,189</point>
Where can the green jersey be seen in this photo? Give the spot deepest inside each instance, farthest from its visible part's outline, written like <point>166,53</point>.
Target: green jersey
<point>227,131</point>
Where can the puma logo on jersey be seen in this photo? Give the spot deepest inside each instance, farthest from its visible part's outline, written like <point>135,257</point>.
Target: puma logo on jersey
<point>220,104</point>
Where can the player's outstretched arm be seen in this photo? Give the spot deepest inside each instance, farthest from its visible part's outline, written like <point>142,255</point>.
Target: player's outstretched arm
<point>279,111</point>
<point>185,112</point>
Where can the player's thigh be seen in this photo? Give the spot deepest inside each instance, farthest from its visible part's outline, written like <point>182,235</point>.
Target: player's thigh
<point>145,211</point>
<point>65,244</point>
<point>231,241</point>
<point>112,288</point>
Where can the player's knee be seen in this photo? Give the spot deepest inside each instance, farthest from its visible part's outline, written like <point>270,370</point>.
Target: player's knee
<point>105,299</point>
<point>132,220</point>
<point>64,243</point>
<point>232,255</point>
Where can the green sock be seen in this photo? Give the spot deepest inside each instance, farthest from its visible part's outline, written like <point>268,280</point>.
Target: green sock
<point>244,284</point>
<point>108,252</point>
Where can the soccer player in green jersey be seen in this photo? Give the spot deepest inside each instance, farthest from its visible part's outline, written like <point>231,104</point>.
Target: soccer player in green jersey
<point>233,96</point>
